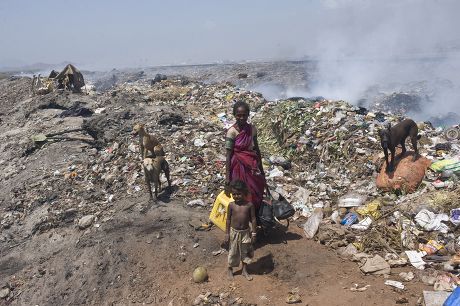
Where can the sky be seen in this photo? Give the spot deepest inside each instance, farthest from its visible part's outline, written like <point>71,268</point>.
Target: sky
<point>356,43</point>
<point>115,33</point>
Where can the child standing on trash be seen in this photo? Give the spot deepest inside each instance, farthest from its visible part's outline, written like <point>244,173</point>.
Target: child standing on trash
<point>239,236</point>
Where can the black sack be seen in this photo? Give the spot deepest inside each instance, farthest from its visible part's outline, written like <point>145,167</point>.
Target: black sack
<point>282,209</point>
<point>265,215</point>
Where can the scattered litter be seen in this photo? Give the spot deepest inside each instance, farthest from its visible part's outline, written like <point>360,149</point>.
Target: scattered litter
<point>359,289</point>
<point>197,202</point>
<point>351,200</point>
<point>218,252</point>
<point>415,259</point>
<point>395,284</point>
<point>430,221</point>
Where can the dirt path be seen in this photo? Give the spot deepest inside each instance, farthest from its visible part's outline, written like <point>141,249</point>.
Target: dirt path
<point>136,259</point>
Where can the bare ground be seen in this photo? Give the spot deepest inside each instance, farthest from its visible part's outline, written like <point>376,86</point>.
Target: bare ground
<point>148,258</point>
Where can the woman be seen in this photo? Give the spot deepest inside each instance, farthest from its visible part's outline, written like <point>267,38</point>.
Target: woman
<point>244,161</point>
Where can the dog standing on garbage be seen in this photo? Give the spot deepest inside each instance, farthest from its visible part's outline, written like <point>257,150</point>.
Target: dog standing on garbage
<point>390,137</point>
<point>147,142</point>
<point>152,171</point>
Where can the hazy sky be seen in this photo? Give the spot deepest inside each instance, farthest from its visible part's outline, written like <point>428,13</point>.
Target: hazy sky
<point>115,33</point>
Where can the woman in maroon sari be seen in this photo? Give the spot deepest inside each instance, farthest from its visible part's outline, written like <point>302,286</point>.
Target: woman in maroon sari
<point>244,161</point>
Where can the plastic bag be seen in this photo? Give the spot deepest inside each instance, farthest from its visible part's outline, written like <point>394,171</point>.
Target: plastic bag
<point>370,209</point>
<point>351,200</point>
<point>430,221</point>
<point>311,226</point>
<point>282,209</point>
<point>266,218</point>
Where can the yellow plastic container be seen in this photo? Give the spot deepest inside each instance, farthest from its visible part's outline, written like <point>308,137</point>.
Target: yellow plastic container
<point>219,210</point>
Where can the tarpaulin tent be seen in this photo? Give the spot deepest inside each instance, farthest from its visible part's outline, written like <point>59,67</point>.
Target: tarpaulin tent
<point>71,78</point>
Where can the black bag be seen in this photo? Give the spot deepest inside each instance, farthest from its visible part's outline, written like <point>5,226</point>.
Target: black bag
<point>282,209</point>
<point>265,215</point>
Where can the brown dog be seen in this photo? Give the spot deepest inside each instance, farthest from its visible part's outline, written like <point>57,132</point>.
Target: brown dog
<point>390,137</point>
<point>147,142</point>
<point>152,170</point>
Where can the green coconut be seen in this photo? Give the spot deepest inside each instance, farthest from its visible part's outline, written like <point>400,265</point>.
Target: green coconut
<point>200,274</point>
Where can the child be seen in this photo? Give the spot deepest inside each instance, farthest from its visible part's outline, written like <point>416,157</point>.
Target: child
<point>238,234</point>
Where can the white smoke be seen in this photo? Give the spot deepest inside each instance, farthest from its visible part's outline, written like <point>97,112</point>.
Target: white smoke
<point>390,45</point>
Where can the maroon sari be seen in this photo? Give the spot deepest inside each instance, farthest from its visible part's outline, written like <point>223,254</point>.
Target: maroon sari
<point>244,165</point>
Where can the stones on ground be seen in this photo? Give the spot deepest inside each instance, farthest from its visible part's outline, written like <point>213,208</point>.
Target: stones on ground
<point>375,265</point>
<point>4,293</point>
<point>218,252</point>
<point>293,297</point>
<point>406,276</point>
<point>86,221</point>
<point>402,300</point>
<point>348,251</point>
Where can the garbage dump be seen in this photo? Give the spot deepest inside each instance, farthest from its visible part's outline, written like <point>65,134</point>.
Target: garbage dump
<point>336,164</point>
<point>323,156</point>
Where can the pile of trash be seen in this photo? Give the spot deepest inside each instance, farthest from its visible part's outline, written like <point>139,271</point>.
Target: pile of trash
<point>325,157</point>
<point>189,118</point>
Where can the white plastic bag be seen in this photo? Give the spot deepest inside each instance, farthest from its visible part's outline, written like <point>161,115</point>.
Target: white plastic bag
<point>430,221</point>
<point>351,200</point>
<point>311,226</point>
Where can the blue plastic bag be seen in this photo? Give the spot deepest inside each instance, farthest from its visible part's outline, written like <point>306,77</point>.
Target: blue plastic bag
<point>453,299</point>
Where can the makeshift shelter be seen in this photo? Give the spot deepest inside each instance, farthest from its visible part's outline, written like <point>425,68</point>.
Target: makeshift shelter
<point>70,78</point>
<point>53,74</point>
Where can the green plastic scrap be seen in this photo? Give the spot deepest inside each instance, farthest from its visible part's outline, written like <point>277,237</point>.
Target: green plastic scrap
<point>446,164</point>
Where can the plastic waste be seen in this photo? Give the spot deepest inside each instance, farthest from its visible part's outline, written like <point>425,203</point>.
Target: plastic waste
<point>363,224</point>
<point>335,217</point>
<point>349,219</point>
<point>370,209</point>
<point>415,259</point>
<point>454,298</point>
<point>395,284</point>
<point>199,142</point>
<point>311,226</point>
<point>219,210</point>
<point>430,221</point>
<point>197,202</point>
<point>446,164</point>
<point>431,247</point>
<point>351,200</point>
<point>455,216</point>
<point>435,298</point>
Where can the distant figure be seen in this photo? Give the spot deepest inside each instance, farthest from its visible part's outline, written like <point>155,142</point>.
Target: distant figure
<point>34,79</point>
<point>39,84</point>
<point>239,237</point>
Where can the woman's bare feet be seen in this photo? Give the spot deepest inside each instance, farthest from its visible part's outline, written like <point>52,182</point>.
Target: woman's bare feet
<point>230,273</point>
<point>245,273</point>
